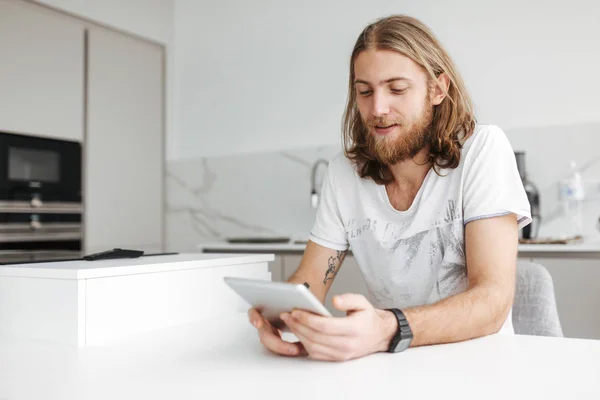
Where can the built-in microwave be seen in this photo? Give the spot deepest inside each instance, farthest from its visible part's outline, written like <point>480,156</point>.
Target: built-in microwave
<point>38,170</point>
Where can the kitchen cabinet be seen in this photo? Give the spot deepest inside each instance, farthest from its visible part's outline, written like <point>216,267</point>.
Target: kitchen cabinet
<point>42,71</point>
<point>348,280</point>
<point>124,182</point>
<point>576,285</point>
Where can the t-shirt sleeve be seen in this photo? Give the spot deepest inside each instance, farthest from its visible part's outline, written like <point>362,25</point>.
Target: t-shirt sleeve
<point>492,185</point>
<point>328,229</point>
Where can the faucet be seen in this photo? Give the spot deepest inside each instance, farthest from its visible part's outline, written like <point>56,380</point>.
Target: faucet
<point>314,197</point>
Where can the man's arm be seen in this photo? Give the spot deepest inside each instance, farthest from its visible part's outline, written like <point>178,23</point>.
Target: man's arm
<point>318,267</point>
<point>491,252</point>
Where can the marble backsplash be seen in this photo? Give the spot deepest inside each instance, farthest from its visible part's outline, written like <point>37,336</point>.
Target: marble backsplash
<point>258,194</point>
<point>268,194</point>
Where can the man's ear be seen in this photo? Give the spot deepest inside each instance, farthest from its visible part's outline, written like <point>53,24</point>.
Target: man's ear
<point>440,89</point>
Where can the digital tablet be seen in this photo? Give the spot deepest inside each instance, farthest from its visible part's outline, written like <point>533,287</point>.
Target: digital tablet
<point>273,298</point>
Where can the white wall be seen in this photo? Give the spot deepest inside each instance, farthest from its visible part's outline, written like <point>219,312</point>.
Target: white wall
<point>267,75</point>
<point>150,19</point>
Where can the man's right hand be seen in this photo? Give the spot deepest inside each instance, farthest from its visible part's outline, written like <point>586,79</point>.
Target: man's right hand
<point>270,336</point>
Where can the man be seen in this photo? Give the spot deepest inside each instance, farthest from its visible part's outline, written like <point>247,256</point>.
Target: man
<point>429,202</point>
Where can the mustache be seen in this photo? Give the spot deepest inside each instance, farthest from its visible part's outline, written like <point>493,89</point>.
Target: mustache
<point>371,123</point>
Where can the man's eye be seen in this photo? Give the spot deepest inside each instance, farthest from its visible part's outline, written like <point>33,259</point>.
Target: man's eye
<point>398,91</point>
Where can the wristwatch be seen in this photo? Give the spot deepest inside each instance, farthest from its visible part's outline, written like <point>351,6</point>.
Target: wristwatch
<point>403,336</point>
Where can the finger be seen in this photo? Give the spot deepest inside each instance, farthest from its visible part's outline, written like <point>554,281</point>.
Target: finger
<point>327,325</point>
<point>259,321</point>
<point>302,349</point>
<point>270,337</point>
<point>351,302</point>
<point>314,336</point>
<point>254,317</point>
<point>317,351</point>
<point>274,343</point>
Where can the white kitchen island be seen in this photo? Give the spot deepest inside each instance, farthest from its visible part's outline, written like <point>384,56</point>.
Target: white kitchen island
<point>87,303</point>
<point>222,358</point>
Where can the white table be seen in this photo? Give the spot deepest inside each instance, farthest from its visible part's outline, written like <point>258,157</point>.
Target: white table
<point>223,359</point>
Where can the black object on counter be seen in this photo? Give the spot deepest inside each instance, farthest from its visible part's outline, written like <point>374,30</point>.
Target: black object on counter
<point>259,240</point>
<point>533,196</point>
<point>114,254</point>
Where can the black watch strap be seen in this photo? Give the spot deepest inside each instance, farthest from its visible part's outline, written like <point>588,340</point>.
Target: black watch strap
<point>404,336</point>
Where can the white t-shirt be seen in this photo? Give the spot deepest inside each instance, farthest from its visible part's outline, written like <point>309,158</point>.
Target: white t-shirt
<point>417,257</point>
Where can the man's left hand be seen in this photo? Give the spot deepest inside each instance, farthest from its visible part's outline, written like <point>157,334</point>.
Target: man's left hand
<point>363,331</point>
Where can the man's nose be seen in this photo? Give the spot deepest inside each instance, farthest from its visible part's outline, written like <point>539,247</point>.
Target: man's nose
<point>381,105</point>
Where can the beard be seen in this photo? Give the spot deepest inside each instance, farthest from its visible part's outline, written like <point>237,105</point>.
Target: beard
<point>399,146</point>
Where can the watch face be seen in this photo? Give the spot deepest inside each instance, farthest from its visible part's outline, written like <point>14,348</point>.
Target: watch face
<point>403,345</point>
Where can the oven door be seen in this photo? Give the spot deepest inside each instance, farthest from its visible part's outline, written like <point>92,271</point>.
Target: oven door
<point>27,237</point>
<point>36,227</point>
<point>26,256</point>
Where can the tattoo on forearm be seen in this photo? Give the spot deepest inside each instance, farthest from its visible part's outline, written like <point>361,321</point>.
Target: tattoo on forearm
<point>332,269</point>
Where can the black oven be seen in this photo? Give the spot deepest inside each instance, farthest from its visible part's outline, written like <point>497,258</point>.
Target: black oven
<point>40,198</point>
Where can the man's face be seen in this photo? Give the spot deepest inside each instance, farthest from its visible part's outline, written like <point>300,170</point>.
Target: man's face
<point>393,99</point>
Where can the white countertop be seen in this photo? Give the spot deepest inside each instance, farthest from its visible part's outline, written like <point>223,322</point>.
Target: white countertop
<point>128,266</point>
<point>592,247</point>
<point>224,359</point>
<point>252,247</point>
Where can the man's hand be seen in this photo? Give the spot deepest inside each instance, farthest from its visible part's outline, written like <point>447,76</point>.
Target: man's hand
<point>270,336</point>
<point>363,331</point>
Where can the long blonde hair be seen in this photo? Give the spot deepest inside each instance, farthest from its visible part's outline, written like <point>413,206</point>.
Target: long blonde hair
<point>453,119</point>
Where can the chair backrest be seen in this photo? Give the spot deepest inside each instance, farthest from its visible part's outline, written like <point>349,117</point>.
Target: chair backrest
<point>534,306</point>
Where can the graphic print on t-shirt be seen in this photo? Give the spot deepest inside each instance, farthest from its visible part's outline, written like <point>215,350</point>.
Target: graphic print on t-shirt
<point>412,270</point>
